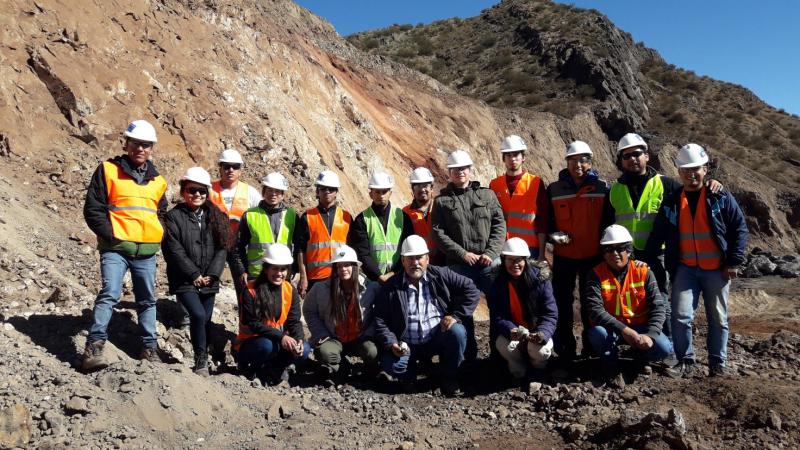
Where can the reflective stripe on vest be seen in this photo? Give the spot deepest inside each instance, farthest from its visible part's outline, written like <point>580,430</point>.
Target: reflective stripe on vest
<point>321,244</point>
<point>638,221</point>
<point>519,208</point>
<point>422,224</point>
<point>133,207</point>
<point>245,332</point>
<point>697,245</point>
<point>240,203</point>
<point>633,310</point>
<point>261,235</point>
<point>384,246</point>
<point>517,314</point>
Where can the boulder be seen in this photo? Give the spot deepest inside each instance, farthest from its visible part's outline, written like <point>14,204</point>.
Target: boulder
<point>15,426</point>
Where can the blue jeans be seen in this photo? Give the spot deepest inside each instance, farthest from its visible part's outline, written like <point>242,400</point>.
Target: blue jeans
<point>605,343</point>
<point>449,345</point>
<point>687,285</point>
<point>113,267</point>
<point>260,352</point>
<point>200,308</point>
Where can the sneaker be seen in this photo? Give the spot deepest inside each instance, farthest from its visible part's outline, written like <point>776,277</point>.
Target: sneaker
<point>93,357</point>
<point>718,370</point>
<point>201,364</point>
<point>150,354</point>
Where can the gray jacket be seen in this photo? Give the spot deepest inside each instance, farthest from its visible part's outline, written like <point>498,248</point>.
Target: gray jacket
<point>467,220</point>
<point>317,309</point>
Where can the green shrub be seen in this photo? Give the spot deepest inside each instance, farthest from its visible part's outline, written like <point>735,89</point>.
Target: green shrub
<point>370,43</point>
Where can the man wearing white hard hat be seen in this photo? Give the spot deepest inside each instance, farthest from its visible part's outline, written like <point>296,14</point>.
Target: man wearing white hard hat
<point>577,215</point>
<point>377,232</point>
<point>623,302</point>
<point>419,210</point>
<point>269,222</point>
<point>125,205</point>
<point>319,232</point>
<point>419,313</point>
<point>522,197</point>
<point>705,236</point>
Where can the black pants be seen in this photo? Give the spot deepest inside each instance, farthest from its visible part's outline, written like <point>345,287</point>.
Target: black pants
<point>200,308</point>
<point>662,278</point>
<point>565,270</point>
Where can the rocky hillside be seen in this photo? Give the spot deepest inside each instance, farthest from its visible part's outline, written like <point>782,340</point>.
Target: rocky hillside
<point>542,56</point>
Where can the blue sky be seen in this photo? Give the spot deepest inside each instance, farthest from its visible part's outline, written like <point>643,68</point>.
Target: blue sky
<point>752,43</point>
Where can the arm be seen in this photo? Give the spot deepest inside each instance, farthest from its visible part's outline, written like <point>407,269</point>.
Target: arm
<point>551,213</point>
<point>542,218</point>
<point>95,208</point>
<point>367,302</point>
<point>385,337</point>
<point>300,238</point>
<point>608,217</point>
<point>242,241</point>
<point>408,230</point>
<point>736,233</point>
<point>311,311</point>
<point>497,300</point>
<point>251,318</point>
<point>497,234</point>
<point>655,241</point>
<point>547,313</point>
<point>656,309</point>
<point>294,327</point>
<point>464,296</point>
<point>217,264</point>
<point>594,303</point>
<point>439,217</point>
<point>358,239</point>
<point>175,253</point>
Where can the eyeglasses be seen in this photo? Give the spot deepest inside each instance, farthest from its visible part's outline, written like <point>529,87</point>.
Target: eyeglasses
<point>460,169</point>
<point>143,144</point>
<point>582,161</point>
<point>616,248</point>
<point>327,189</point>
<point>633,155</point>
<point>226,166</point>
<point>197,190</point>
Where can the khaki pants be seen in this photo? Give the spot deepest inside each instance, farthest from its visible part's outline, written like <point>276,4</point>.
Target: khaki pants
<point>534,354</point>
<point>329,354</point>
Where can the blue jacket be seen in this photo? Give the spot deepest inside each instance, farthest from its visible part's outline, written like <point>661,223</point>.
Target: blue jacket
<point>545,314</point>
<point>456,295</point>
<point>727,226</point>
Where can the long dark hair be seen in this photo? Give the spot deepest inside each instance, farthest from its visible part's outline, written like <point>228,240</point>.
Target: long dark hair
<point>343,294</point>
<point>218,222</point>
<point>268,301</point>
<point>525,285</point>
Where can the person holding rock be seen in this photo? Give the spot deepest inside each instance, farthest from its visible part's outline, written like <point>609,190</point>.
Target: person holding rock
<point>419,313</point>
<point>270,335</point>
<point>705,236</point>
<point>124,207</point>
<point>338,312</point>
<point>196,243</point>
<point>522,311</point>
<point>623,302</point>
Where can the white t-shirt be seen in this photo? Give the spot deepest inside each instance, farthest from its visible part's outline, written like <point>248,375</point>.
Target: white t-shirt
<point>253,196</point>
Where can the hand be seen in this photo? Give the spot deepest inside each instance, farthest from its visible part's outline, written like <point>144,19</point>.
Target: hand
<point>385,277</point>
<point>244,279</point>
<point>471,258</point>
<point>730,273</point>
<point>396,350</point>
<point>537,338</point>
<point>485,260</point>
<point>198,281</point>
<point>302,286</point>
<point>515,334</point>
<point>299,347</point>
<point>448,322</point>
<point>714,185</point>
<point>288,343</point>
<point>631,336</point>
<point>645,342</point>
<point>207,281</point>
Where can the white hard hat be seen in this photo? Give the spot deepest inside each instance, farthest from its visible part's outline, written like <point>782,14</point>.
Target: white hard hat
<point>578,148</point>
<point>615,234</point>
<point>141,130</point>
<point>516,247</point>
<point>414,245</point>
<point>230,156</point>
<point>198,175</point>
<point>328,178</point>
<point>512,144</point>
<point>631,140</point>
<point>691,155</point>
<point>458,158</point>
<point>345,253</point>
<point>381,180</point>
<point>421,175</point>
<point>275,181</point>
<point>278,255</point>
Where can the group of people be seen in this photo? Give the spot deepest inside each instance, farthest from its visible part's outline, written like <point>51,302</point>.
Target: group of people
<point>397,286</point>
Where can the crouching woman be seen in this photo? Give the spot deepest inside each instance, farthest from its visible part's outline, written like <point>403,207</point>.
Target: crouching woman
<point>270,332</point>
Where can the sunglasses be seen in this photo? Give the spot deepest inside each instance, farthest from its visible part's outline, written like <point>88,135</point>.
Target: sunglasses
<point>226,166</point>
<point>616,249</point>
<point>327,189</point>
<point>633,155</point>
<point>580,161</point>
<point>142,144</point>
<point>197,190</point>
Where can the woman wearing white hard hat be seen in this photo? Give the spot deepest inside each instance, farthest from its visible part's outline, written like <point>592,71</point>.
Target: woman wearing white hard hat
<point>705,235</point>
<point>195,247</point>
<point>338,312</point>
<point>522,311</point>
<point>271,334</point>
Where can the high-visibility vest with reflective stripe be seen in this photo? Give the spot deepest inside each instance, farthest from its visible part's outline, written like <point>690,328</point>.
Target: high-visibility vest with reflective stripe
<point>639,221</point>
<point>422,224</point>
<point>321,244</point>
<point>261,235</point>
<point>245,332</point>
<point>578,213</point>
<point>240,204</point>
<point>517,313</point>
<point>133,207</point>
<point>627,303</point>
<point>519,208</point>
<point>697,245</point>
<point>384,245</point>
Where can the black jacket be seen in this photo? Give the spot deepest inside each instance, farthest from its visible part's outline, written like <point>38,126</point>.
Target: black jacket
<point>250,317</point>
<point>358,238</point>
<point>190,251</point>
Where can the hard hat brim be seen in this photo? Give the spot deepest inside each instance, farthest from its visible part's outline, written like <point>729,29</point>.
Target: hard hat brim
<point>621,149</point>
<point>279,262</point>
<point>130,136</point>
<point>378,186</point>
<point>280,188</point>
<point>346,260</point>
<point>513,150</point>
<point>415,253</point>
<point>692,165</point>
<point>616,241</point>
<point>456,166</point>
<point>525,255</point>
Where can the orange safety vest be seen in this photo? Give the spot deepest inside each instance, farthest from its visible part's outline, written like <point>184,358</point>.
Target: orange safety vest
<point>633,310</point>
<point>697,246</point>
<point>133,207</point>
<point>422,224</point>
<point>519,208</point>
<point>321,244</point>
<point>245,332</point>
<point>517,314</point>
<point>240,204</point>
<point>579,214</point>
<point>350,330</point>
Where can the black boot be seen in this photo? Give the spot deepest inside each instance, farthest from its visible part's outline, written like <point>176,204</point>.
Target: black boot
<point>201,363</point>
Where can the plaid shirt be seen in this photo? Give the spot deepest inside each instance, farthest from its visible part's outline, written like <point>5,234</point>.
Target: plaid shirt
<point>424,314</point>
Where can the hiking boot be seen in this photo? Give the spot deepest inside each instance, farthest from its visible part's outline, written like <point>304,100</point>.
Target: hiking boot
<point>718,370</point>
<point>450,388</point>
<point>611,374</point>
<point>93,357</point>
<point>617,381</point>
<point>150,354</point>
<point>201,364</point>
<point>684,369</point>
